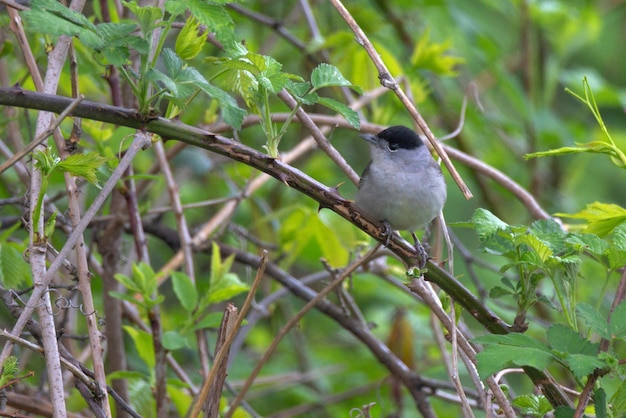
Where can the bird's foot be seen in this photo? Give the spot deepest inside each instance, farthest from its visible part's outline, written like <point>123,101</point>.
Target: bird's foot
<point>422,254</point>
<point>388,232</point>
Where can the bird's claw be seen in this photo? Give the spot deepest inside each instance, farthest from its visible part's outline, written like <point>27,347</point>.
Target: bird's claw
<point>422,254</point>
<point>388,232</point>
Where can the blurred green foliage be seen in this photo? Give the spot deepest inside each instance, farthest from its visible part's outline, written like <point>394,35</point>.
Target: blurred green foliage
<point>512,60</point>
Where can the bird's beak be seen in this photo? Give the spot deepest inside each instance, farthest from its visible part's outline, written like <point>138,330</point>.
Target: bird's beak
<point>372,139</point>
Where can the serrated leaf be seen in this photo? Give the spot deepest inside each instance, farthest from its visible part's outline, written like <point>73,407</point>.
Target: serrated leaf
<point>550,233</point>
<point>84,165</point>
<point>298,89</point>
<point>511,350</point>
<point>601,218</point>
<point>565,339</point>
<point>537,405</point>
<point>563,412</point>
<point>148,17</point>
<point>599,403</point>
<point>582,365</point>
<point>155,76</point>
<point>117,39</point>
<point>618,321</point>
<point>618,400</point>
<point>499,292</point>
<point>216,18</point>
<point>185,291</point>
<point>326,75</point>
<point>50,16</point>
<point>486,223</point>
<point>45,162</point>
<point>189,41</point>
<point>593,319</point>
<point>588,242</point>
<point>14,270</point>
<point>350,115</point>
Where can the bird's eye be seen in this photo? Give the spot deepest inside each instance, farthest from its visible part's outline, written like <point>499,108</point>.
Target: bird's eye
<point>393,146</point>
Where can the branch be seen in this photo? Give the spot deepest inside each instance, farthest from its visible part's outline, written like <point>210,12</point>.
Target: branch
<point>327,197</point>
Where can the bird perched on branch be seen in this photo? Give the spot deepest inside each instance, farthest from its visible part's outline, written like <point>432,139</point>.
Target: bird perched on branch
<point>402,185</point>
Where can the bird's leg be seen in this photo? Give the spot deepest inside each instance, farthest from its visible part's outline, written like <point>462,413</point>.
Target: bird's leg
<point>388,232</point>
<point>421,251</point>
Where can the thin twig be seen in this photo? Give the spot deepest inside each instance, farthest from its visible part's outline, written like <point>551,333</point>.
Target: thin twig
<point>43,136</point>
<point>387,80</point>
<point>135,147</point>
<point>290,324</point>
<point>221,355</point>
<point>212,403</point>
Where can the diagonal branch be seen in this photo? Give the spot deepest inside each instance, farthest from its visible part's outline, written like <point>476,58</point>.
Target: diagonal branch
<point>327,197</point>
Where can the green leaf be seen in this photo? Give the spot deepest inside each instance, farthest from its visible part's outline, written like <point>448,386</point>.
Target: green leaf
<point>599,403</point>
<point>14,270</point>
<point>618,400</point>
<point>225,288</point>
<point>594,320</point>
<point>565,339</point>
<point>55,19</point>
<point>50,224</point>
<point>149,17</point>
<point>9,370</point>
<point>84,165</point>
<point>351,116</point>
<point>170,85</point>
<point>588,242</point>
<point>511,350</point>
<point>117,39</point>
<point>498,292</point>
<point>185,291</point>
<point>143,344</point>
<point>189,41</point>
<point>618,321</point>
<point>563,412</point>
<point>578,353</point>
<point>142,281</point>
<point>550,233</point>
<point>216,18</point>
<point>332,249</point>
<point>173,340</point>
<point>434,56</point>
<point>326,75</point>
<point>233,115</point>
<point>298,89</point>
<point>536,405</point>
<point>45,162</point>
<point>216,264</point>
<point>211,320</point>
<point>582,365</point>
<point>486,223</point>
<point>602,218</point>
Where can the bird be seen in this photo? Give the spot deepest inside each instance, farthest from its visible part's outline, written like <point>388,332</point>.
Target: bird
<point>402,185</point>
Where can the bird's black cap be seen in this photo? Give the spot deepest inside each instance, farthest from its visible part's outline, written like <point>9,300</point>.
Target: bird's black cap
<point>402,137</point>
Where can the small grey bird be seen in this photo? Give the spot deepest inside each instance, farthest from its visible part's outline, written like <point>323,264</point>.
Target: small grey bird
<point>402,185</point>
